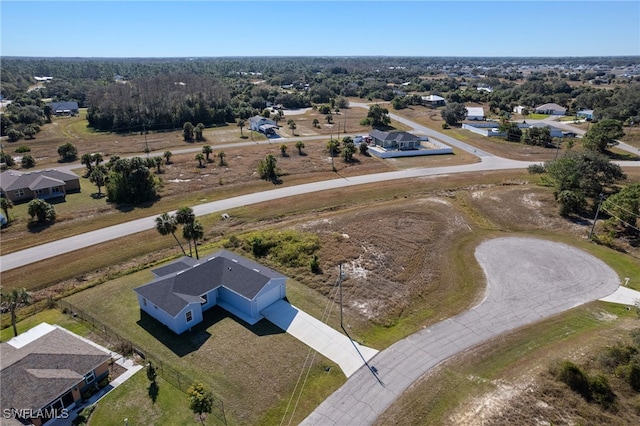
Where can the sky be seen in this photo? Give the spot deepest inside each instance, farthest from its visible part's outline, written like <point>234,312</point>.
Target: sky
<point>156,28</point>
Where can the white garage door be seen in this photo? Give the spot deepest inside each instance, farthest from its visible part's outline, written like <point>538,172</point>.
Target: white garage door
<point>268,298</point>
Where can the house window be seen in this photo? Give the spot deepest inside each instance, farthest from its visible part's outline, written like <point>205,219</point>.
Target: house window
<point>56,189</point>
<point>40,191</point>
<point>144,301</point>
<point>205,299</point>
<point>90,378</point>
<point>19,192</point>
<point>189,316</point>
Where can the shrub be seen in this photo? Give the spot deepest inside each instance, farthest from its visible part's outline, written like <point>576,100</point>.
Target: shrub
<point>23,148</point>
<point>573,376</point>
<point>601,391</point>
<point>634,377</point>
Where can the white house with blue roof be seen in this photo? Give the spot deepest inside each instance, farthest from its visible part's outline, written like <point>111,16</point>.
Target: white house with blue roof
<point>184,289</point>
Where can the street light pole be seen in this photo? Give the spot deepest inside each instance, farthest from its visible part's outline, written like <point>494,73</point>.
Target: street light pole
<point>593,227</point>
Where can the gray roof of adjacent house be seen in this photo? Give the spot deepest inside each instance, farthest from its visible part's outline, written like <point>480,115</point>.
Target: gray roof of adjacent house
<point>64,106</point>
<point>551,106</point>
<point>37,369</point>
<point>186,281</point>
<point>393,136</point>
<point>12,179</point>
<point>433,98</point>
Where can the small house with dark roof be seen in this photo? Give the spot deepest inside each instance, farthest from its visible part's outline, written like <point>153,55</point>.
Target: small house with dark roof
<point>45,371</point>
<point>184,289</point>
<point>64,108</point>
<point>395,140</point>
<point>45,184</point>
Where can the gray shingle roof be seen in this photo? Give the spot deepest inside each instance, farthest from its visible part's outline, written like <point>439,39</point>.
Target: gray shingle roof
<point>42,370</point>
<point>181,286</point>
<point>393,136</point>
<point>11,180</point>
<point>64,106</point>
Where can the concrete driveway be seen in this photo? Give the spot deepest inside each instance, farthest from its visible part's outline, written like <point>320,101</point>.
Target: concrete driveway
<point>528,280</point>
<point>349,355</point>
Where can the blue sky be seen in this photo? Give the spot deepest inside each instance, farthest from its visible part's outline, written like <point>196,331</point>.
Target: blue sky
<point>326,28</point>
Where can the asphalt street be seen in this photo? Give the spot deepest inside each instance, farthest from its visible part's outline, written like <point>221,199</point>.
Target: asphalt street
<point>528,280</point>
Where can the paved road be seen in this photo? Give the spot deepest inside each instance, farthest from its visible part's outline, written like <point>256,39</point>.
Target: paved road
<point>487,162</point>
<point>66,245</point>
<point>527,280</point>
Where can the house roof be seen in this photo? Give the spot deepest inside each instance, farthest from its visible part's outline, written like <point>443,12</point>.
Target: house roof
<point>585,111</point>
<point>12,179</point>
<point>433,98</point>
<point>186,282</point>
<point>64,106</point>
<point>43,182</point>
<point>475,111</point>
<point>551,106</point>
<point>393,136</point>
<point>43,363</point>
<point>259,118</point>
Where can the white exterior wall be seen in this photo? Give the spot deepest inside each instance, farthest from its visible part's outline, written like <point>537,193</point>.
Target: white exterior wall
<point>180,322</point>
<point>237,301</point>
<point>271,293</point>
<point>157,313</point>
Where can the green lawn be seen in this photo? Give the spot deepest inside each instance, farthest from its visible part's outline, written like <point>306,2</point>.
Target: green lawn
<point>131,401</point>
<point>231,358</point>
<point>537,116</point>
<point>51,316</point>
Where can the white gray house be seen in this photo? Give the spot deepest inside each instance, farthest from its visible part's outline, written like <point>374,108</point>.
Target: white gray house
<point>184,289</point>
<point>475,113</point>
<point>263,125</point>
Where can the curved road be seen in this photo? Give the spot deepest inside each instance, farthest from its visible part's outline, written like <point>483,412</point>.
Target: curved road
<point>527,280</point>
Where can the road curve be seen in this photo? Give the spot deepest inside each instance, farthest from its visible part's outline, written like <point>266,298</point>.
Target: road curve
<point>528,280</point>
<point>66,245</point>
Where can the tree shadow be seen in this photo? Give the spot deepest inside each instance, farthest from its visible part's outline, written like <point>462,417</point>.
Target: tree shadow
<point>153,390</point>
<point>37,227</point>
<point>97,196</point>
<point>619,156</point>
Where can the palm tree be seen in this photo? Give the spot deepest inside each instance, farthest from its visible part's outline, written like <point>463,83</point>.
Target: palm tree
<point>283,150</point>
<point>299,145</point>
<point>5,205</point>
<point>185,216</point>
<point>87,161</point>
<point>200,158</point>
<point>97,158</point>
<point>293,126</point>
<point>165,225</point>
<point>241,124</point>
<point>158,163</point>
<point>167,156</point>
<point>316,123</point>
<point>14,298</point>
<point>193,231</point>
<point>99,177</point>
<point>221,156</point>
<point>207,150</point>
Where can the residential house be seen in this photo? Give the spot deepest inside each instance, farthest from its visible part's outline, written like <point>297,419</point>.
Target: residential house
<point>586,114</point>
<point>433,100</point>
<point>519,109</point>
<point>184,289</point>
<point>394,140</point>
<point>551,109</point>
<point>45,184</point>
<point>263,125</point>
<point>555,132</point>
<point>44,373</point>
<point>64,108</point>
<point>475,113</point>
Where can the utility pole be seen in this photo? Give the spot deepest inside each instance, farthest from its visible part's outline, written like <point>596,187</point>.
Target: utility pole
<point>340,288</point>
<point>593,227</point>
<point>146,144</point>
